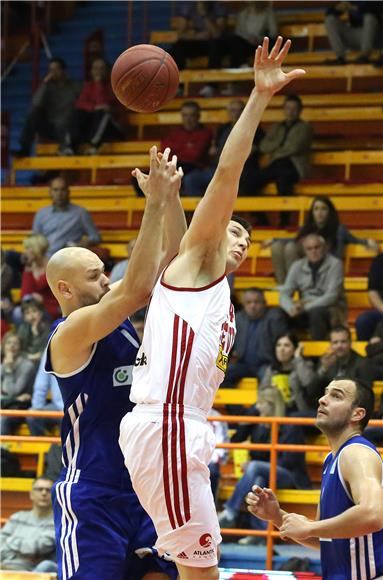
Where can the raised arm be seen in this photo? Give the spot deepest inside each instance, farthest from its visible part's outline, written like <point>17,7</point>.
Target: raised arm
<point>73,340</point>
<point>212,215</point>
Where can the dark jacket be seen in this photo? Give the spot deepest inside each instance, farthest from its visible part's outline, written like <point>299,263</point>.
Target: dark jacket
<point>288,434</point>
<point>271,325</point>
<point>349,368</point>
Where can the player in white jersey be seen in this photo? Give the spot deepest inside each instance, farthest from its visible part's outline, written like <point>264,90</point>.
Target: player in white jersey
<point>166,441</point>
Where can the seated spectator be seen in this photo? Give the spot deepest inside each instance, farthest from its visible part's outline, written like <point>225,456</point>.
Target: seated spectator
<point>196,182</point>
<point>219,456</point>
<point>6,296</point>
<point>323,219</point>
<point>191,141</point>
<point>255,21</point>
<point>338,362</point>
<point>200,25</point>
<point>46,397</point>
<point>354,25</point>
<point>289,144</point>
<point>291,467</point>
<point>371,369</point>
<point>33,279</point>
<point>118,269</point>
<point>52,107</point>
<point>318,279</point>
<point>28,537</point>
<point>257,330</point>
<point>33,331</point>
<point>290,374</point>
<point>367,322</point>
<point>63,223</point>
<point>92,119</point>
<point>16,374</point>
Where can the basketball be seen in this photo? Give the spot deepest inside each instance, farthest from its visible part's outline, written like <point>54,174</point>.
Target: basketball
<point>144,78</point>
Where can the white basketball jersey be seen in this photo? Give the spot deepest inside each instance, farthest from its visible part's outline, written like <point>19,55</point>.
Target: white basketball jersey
<point>188,335</point>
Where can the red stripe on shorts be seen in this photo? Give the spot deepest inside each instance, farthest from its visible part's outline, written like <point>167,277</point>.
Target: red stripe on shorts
<point>173,413</point>
<point>184,472</point>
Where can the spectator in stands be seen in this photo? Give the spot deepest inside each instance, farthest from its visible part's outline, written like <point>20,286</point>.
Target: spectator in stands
<point>196,182</point>
<point>33,279</point>
<point>290,374</point>
<point>257,330</point>
<point>16,374</point>
<point>338,362</point>
<point>34,330</point>
<point>291,467</point>
<point>52,107</point>
<point>367,322</point>
<point>353,25</point>
<point>318,278</point>
<point>64,223</point>
<point>255,21</point>
<point>6,296</point>
<point>46,397</point>
<point>118,269</point>
<point>200,26</point>
<point>28,537</point>
<point>221,433</point>
<point>323,219</point>
<point>370,370</point>
<point>92,119</point>
<point>191,141</point>
<point>289,144</point>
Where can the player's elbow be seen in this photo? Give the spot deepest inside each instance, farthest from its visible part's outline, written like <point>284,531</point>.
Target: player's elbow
<point>372,520</point>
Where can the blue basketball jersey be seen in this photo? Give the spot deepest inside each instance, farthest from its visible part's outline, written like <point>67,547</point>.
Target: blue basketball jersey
<point>358,558</point>
<point>96,398</point>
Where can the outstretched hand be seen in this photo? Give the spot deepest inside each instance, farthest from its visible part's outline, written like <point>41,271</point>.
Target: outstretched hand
<point>269,77</point>
<point>164,179</point>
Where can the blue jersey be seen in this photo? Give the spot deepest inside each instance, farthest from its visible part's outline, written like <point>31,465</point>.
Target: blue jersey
<point>99,521</point>
<point>96,398</point>
<point>358,558</point>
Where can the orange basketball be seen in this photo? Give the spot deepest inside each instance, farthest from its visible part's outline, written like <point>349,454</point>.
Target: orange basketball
<point>144,78</point>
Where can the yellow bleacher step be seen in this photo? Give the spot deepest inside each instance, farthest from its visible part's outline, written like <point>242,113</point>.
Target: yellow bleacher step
<point>16,483</point>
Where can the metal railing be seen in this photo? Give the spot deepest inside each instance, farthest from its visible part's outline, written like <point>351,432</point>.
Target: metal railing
<point>273,447</point>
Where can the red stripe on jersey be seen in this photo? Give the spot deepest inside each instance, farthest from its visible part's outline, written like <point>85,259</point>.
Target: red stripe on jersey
<point>174,358</point>
<point>165,470</point>
<point>174,440</point>
<point>184,473</point>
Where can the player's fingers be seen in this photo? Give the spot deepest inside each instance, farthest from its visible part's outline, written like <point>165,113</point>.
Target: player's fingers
<point>153,158</point>
<point>296,73</point>
<point>283,53</point>
<point>256,489</point>
<point>180,172</point>
<point>257,57</point>
<point>165,157</point>
<point>265,48</point>
<point>276,48</point>
<point>173,164</point>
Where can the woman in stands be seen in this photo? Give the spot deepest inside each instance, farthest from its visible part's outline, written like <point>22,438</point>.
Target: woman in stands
<point>323,219</point>
<point>16,376</point>
<point>290,374</point>
<point>291,467</point>
<point>33,279</point>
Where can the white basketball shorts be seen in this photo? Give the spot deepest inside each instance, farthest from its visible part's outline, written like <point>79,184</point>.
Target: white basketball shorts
<point>167,451</point>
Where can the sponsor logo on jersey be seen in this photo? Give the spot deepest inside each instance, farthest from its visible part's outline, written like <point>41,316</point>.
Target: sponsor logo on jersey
<point>222,360</point>
<point>203,553</point>
<point>205,540</point>
<point>122,376</point>
<point>141,360</point>
<point>182,556</point>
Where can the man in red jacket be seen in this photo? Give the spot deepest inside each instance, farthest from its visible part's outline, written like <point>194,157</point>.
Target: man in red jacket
<point>190,141</point>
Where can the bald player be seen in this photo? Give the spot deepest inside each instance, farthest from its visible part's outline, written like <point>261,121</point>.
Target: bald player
<point>92,349</point>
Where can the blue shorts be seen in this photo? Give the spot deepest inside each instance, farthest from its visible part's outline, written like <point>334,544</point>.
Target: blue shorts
<point>98,528</point>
